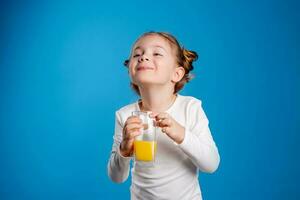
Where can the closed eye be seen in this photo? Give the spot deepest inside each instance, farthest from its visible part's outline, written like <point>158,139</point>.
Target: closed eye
<point>136,55</point>
<point>157,54</point>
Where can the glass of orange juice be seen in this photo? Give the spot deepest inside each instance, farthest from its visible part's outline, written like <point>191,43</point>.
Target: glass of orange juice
<point>145,143</point>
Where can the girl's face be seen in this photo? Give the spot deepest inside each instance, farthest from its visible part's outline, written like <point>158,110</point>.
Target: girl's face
<point>153,62</point>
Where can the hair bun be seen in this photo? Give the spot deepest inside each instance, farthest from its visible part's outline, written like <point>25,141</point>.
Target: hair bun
<point>189,57</point>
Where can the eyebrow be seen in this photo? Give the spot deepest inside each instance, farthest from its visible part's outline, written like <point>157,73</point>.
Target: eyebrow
<point>138,47</point>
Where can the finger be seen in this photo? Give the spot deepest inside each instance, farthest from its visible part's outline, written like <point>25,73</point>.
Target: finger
<point>133,119</point>
<point>135,134</point>
<point>165,122</point>
<point>156,114</point>
<point>126,133</point>
<point>132,126</point>
<point>132,135</point>
<point>153,114</point>
<point>161,116</point>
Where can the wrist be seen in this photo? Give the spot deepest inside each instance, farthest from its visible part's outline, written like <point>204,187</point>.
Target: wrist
<point>123,152</point>
<point>180,136</point>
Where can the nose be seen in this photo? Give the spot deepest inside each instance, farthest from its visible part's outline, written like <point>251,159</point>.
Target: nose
<point>143,58</point>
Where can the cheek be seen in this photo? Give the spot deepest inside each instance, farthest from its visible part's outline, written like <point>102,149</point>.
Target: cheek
<point>130,64</point>
<point>166,67</point>
<point>131,69</point>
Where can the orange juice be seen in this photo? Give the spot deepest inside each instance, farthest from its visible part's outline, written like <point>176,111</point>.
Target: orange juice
<point>144,150</point>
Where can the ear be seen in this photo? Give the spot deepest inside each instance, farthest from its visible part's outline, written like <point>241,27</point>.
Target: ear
<point>178,74</point>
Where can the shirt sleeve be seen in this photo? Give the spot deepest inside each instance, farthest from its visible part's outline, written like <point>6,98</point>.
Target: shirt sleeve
<point>118,166</point>
<point>198,143</point>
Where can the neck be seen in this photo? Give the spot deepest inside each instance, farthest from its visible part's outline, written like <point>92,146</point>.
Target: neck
<point>156,99</point>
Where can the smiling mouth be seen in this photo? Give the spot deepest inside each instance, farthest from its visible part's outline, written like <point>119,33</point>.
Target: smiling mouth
<point>144,68</point>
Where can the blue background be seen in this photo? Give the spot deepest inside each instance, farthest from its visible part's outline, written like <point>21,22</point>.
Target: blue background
<point>62,79</point>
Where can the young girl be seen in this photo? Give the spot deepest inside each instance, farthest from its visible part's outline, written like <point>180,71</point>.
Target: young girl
<point>159,67</point>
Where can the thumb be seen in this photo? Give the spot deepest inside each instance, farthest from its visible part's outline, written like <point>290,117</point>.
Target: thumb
<point>153,114</point>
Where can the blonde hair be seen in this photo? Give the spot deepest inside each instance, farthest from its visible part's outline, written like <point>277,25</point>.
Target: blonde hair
<point>185,58</point>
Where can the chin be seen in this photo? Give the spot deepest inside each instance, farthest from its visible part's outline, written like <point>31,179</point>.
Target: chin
<point>144,79</point>
<point>144,82</point>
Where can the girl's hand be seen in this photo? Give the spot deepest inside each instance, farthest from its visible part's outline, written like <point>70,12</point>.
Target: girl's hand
<point>169,126</point>
<point>131,129</point>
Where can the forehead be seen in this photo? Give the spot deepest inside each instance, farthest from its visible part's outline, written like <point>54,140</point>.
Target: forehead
<point>152,41</point>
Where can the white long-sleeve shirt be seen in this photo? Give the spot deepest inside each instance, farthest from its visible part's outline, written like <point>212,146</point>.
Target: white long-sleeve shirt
<point>174,174</point>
